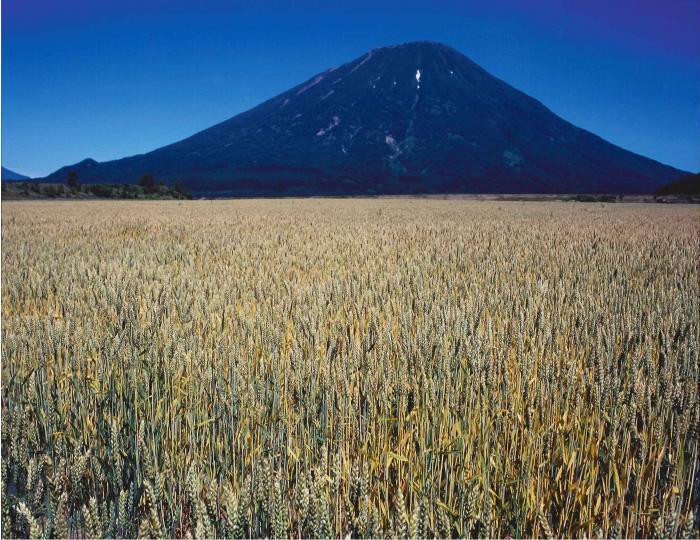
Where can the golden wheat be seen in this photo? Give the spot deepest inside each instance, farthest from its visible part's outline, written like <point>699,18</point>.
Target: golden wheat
<point>374,368</point>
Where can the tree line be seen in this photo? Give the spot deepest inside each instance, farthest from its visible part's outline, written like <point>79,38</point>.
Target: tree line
<point>147,184</point>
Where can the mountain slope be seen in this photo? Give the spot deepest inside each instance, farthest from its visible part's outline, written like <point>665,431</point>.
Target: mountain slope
<point>687,185</point>
<point>7,174</point>
<point>414,118</point>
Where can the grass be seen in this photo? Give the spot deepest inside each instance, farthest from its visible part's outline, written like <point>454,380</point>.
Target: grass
<point>374,368</point>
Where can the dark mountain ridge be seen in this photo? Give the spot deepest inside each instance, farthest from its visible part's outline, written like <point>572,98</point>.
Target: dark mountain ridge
<point>413,118</point>
<point>8,174</point>
<point>687,185</point>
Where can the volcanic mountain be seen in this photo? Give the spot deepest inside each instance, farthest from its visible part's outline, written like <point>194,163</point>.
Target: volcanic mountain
<point>413,118</point>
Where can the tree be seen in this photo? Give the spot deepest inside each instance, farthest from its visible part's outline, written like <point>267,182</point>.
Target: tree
<point>180,189</point>
<point>52,190</point>
<point>72,182</point>
<point>148,183</point>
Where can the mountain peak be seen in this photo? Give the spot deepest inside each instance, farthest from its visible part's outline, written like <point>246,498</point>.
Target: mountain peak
<point>425,45</point>
<point>417,117</point>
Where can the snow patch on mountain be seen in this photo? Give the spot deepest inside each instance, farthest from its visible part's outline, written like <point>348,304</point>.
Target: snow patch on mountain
<point>369,55</point>
<point>512,158</point>
<point>313,83</point>
<point>395,148</point>
<point>334,122</point>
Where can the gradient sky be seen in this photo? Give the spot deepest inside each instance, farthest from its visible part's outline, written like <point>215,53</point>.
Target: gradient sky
<point>111,78</point>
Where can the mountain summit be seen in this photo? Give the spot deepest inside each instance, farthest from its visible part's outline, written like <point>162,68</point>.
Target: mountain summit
<point>413,118</point>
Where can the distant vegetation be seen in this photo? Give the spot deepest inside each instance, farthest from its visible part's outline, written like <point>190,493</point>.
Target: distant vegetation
<point>421,369</point>
<point>147,188</point>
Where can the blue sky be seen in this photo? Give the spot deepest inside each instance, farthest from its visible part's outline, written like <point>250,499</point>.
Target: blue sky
<point>106,79</point>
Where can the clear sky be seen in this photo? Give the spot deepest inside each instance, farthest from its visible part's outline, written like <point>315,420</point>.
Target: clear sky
<point>111,78</point>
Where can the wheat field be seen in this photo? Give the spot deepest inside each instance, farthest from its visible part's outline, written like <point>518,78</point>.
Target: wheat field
<point>368,368</point>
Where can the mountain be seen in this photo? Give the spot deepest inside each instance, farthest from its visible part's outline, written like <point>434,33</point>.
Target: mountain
<point>7,174</point>
<point>413,118</point>
<point>687,185</point>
